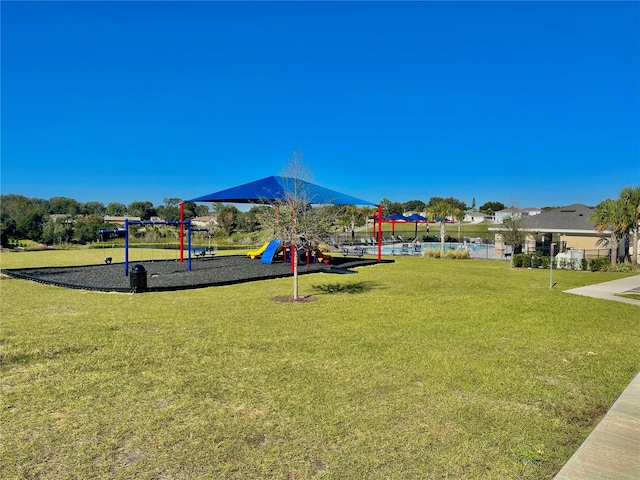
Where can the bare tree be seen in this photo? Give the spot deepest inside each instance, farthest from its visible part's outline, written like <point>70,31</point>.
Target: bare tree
<point>513,232</point>
<point>293,219</point>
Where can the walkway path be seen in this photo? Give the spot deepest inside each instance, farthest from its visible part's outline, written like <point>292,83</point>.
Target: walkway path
<point>608,290</point>
<point>612,450</point>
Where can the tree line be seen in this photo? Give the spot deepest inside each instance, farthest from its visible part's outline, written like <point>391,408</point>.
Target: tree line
<point>63,220</point>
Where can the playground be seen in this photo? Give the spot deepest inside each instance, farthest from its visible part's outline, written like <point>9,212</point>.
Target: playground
<point>166,275</point>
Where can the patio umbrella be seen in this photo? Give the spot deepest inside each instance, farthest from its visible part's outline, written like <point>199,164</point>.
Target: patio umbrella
<point>414,217</point>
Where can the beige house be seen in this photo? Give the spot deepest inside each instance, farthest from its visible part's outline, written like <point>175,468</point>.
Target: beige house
<point>208,221</point>
<point>570,228</point>
<point>119,220</point>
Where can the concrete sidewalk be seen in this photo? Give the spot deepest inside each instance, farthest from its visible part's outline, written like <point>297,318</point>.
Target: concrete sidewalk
<point>608,290</point>
<point>612,450</point>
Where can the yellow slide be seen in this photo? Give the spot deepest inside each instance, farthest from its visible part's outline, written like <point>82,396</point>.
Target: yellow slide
<point>256,253</point>
<point>323,257</point>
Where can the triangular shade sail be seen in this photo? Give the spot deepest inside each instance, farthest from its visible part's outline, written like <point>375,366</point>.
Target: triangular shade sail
<point>275,188</point>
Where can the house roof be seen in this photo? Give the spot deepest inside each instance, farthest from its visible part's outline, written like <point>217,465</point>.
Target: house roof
<point>120,218</point>
<point>205,218</point>
<point>476,212</point>
<point>518,210</point>
<point>570,219</point>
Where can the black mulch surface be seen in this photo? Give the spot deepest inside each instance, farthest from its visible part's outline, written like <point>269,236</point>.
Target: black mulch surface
<point>167,275</point>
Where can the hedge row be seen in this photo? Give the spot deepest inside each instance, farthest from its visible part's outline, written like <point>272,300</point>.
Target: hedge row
<point>537,260</point>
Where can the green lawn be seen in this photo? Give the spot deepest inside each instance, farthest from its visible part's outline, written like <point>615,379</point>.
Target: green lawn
<point>420,369</point>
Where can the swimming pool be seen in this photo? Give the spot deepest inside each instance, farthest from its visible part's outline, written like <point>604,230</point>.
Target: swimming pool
<point>476,250</point>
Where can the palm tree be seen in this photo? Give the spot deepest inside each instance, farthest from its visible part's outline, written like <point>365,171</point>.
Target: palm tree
<point>630,197</point>
<point>440,210</point>
<point>458,213</point>
<point>611,215</point>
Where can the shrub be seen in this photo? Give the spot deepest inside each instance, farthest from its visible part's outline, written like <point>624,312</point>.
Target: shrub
<point>622,267</point>
<point>545,261</point>
<point>457,254</point>
<point>431,253</point>
<point>521,260</point>
<point>534,260</point>
<point>599,264</point>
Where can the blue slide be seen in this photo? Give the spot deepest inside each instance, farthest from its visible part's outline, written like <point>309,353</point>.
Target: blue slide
<point>271,250</point>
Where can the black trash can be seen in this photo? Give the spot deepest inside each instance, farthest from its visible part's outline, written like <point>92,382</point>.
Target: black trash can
<point>138,278</point>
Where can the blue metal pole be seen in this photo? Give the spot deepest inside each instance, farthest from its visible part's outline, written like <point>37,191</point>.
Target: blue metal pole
<point>189,243</point>
<point>126,247</point>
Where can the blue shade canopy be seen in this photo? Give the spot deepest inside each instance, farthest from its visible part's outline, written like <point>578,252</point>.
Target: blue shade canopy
<point>275,188</point>
<point>414,217</point>
<point>397,217</point>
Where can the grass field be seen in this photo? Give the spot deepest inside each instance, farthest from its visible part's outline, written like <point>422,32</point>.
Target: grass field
<point>422,369</point>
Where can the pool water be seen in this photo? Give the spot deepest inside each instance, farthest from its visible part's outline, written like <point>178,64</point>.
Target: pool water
<point>477,251</point>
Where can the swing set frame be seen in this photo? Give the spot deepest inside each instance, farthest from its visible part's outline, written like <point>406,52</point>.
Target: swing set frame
<point>181,224</point>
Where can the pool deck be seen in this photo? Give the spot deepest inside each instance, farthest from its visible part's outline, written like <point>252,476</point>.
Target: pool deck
<point>612,450</point>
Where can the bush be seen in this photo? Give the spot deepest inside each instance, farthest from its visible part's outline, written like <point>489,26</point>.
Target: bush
<point>521,260</point>
<point>457,254</point>
<point>534,260</point>
<point>431,253</point>
<point>599,264</point>
<point>545,261</point>
<point>622,267</point>
<point>450,254</point>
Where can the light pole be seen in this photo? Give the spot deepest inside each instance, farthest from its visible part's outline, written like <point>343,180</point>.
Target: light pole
<point>551,265</point>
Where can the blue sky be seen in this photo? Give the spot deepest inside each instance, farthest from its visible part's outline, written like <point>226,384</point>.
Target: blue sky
<point>527,103</point>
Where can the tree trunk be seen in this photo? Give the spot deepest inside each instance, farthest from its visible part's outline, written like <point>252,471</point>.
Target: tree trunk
<point>443,232</point>
<point>294,259</point>
<point>513,249</point>
<point>614,249</point>
<point>634,259</point>
<point>295,274</point>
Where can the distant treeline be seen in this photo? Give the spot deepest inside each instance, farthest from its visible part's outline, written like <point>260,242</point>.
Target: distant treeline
<point>63,220</point>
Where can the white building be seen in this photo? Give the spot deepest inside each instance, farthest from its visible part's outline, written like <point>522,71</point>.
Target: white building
<point>472,216</point>
<point>516,213</point>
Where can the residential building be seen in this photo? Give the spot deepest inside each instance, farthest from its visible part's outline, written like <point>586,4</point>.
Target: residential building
<point>515,212</point>
<point>472,216</point>
<point>570,228</point>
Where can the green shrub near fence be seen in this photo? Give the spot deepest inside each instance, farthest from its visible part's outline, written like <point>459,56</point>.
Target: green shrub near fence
<point>537,260</point>
<point>533,260</point>
<point>599,264</point>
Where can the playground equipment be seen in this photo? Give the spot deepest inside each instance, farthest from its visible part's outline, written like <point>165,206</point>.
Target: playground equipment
<point>305,255</point>
<point>256,253</point>
<point>272,249</point>
<point>125,231</point>
<point>309,255</point>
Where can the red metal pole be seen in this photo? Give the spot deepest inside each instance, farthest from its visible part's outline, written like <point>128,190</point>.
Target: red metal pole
<point>181,232</point>
<point>293,257</point>
<point>379,232</point>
